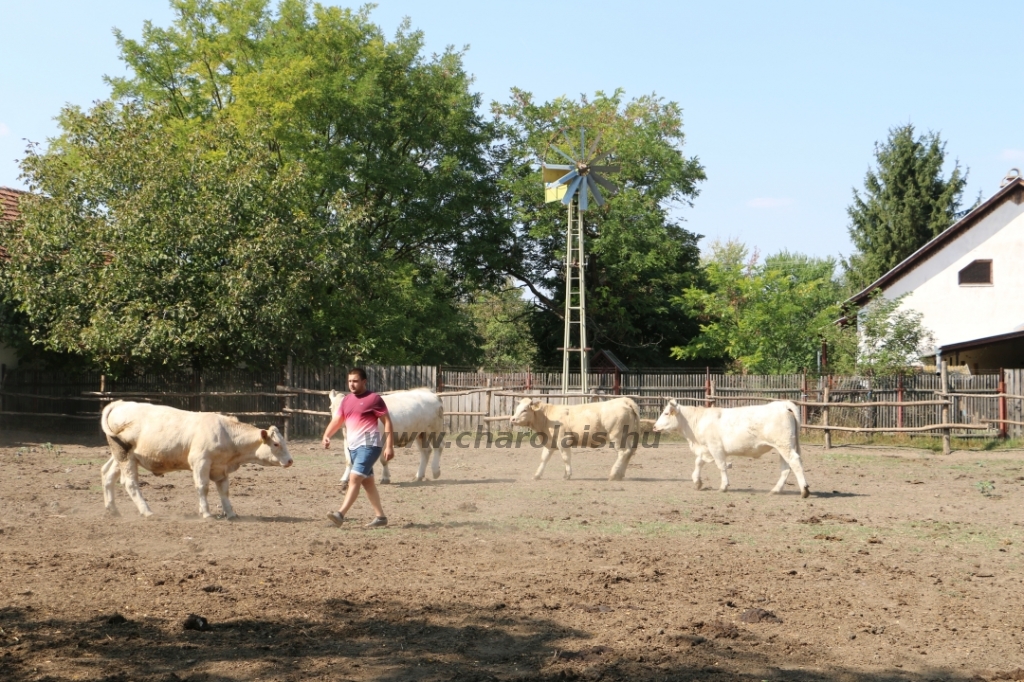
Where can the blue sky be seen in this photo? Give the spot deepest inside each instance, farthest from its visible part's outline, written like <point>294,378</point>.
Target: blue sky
<point>782,102</point>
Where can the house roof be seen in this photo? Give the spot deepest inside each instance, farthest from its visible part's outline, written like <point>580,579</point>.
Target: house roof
<point>1013,191</point>
<point>9,210</point>
<point>977,343</point>
<point>9,203</point>
<point>605,359</point>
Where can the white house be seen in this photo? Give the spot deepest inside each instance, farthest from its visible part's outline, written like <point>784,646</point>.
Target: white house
<point>968,283</point>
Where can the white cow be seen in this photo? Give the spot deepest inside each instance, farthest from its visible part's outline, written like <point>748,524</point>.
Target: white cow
<point>592,425</point>
<point>162,439</point>
<point>417,417</point>
<point>715,433</point>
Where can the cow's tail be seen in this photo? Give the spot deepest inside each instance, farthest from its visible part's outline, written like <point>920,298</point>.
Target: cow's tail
<point>119,446</point>
<point>636,416</point>
<point>795,412</point>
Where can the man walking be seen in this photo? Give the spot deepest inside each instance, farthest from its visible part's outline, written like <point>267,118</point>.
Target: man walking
<point>359,412</point>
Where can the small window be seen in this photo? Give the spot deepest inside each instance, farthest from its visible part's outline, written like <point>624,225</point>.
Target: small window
<point>978,272</point>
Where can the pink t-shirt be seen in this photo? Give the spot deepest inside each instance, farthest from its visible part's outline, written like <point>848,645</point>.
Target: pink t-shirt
<point>361,414</point>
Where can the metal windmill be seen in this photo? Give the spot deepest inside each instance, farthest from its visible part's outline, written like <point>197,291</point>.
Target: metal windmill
<point>570,184</point>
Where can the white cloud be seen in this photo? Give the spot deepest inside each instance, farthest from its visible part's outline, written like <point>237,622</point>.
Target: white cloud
<point>4,130</point>
<point>1013,155</point>
<point>769,202</point>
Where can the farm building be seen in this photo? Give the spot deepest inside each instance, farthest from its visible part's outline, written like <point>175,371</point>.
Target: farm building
<point>968,284</point>
<point>8,212</point>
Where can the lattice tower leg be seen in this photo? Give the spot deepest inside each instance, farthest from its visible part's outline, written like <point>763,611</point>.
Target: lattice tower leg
<point>575,299</point>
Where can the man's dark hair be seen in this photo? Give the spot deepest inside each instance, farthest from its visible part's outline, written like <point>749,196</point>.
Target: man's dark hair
<point>358,371</point>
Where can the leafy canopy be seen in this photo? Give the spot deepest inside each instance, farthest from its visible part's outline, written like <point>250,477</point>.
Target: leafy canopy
<point>263,183</point>
<point>638,253</point>
<point>888,338</point>
<point>761,317</point>
<point>906,202</point>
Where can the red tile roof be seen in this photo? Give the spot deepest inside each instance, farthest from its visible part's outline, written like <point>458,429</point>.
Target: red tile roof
<point>9,210</point>
<point>9,203</point>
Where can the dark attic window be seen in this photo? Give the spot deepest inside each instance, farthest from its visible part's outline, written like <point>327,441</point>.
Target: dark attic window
<point>978,272</point>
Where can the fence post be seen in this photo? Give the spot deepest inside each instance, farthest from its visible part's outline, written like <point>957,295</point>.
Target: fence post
<point>487,404</point>
<point>824,414</point>
<point>287,401</point>
<point>803,398</point>
<point>1003,426</point>
<point>899,399</point>
<point>945,408</point>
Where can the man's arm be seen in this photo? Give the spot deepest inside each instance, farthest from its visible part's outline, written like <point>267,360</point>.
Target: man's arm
<point>389,438</point>
<point>331,429</point>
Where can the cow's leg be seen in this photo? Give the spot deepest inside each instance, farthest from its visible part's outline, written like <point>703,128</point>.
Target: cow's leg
<point>697,466</point>
<point>130,478</point>
<point>348,470</point>
<point>791,459</point>
<point>201,478</point>
<point>719,458</point>
<point>420,445</point>
<point>625,453</point>
<point>225,501</point>
<point>567,460</point>
<point>435,464</point>
<point>545,455</point>
<point>109,474</point>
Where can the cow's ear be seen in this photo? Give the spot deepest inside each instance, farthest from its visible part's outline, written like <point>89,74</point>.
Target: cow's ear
<point>535,404</point>
<point>264,436</point>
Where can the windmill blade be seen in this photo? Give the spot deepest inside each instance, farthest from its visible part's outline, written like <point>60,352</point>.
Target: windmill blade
<point>599,158</point>
<point>567,199</point>
<point>593,188</point>
<point>608,185</point>
<point>583,193</point>
<point>564,179</point>
<point>610,168</point>
<point>593,148</point>
<point>563,153</point>
<point>558,166</point>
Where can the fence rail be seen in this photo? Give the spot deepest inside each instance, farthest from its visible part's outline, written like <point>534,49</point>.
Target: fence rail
<point>296,397</point>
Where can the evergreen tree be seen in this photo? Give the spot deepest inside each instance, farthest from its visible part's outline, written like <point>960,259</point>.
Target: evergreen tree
<point>905,203</point>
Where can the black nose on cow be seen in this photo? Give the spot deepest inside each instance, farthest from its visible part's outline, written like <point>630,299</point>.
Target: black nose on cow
<point>288,463</point>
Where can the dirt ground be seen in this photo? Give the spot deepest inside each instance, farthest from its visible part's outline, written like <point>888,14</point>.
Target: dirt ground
<point>901,565</point>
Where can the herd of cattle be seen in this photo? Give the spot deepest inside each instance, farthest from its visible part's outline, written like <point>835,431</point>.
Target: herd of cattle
<point>211,446</point>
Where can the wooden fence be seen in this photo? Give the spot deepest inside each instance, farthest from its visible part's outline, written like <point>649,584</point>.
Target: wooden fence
<point>297,398</point>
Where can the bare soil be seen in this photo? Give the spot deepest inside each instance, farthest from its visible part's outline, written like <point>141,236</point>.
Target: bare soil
<point>901,565</point>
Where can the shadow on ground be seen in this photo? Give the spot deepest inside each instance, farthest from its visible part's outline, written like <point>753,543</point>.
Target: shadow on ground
<point>380,640</point>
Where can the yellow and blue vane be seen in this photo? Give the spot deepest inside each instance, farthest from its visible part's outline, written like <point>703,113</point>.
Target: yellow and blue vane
<point>564,182</point>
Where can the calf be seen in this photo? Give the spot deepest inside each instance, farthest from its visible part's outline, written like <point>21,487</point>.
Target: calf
<point>589,425</point>
<point>715,433</point>
<point>162,439</point>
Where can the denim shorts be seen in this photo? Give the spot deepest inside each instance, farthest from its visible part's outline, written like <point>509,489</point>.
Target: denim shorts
<point>363,458</point>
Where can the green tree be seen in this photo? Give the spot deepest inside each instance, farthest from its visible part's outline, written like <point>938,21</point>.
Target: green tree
<point>263,183</point>
<point>764,318</point>
<point>502,321</point>
<point>906,202</point>
<point>887,338</point>
<point>638,253</point>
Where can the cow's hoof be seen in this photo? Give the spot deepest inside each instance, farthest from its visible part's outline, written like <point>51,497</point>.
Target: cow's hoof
<point>773,491</point>
<point>618,476</point>
<point>536,477</point>
<point>112,511</point>
<point>697,485</point>
<point>233,517</point>
<point>436,474</point>
<point>385,481</point>
<point>806,492</point>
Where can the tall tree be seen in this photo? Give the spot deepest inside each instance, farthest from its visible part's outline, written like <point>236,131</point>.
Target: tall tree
<point>264,182</point>
<point>765,318</point>
<point>906,202</point>
<point>638,252</point>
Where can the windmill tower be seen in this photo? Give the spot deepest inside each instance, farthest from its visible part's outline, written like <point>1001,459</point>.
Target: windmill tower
<point>570,184</point>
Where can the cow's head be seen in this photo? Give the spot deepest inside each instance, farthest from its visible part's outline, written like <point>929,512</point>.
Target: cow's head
<point>336,397</point>
<point>273,451</point>
<point>670,418</point>
<point>523,415</point>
